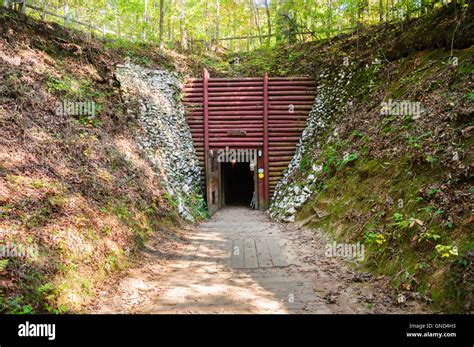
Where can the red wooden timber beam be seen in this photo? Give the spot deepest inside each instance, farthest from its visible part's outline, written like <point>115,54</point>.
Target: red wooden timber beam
<point>285,112</point>
<point>236,89</point>
<point>236,103</point>
<point>216,138</point>
<point>281,148</point>
<point>236,144</point>
<point>226,127</point>
<point>237,117</point>
<point>292,98</point>
<point>284,79</point>
<point>228,123</point>
<point>305,106</point>
<point>234,112</point>
<point>240,128</point>
<point>238,98</point>
<point>241,107</point>
<point>242,79</point>
<point>280,122</point>
<point>311,92</point>
<point>229,93</point>
<point>265,139</point>
<point>295,129</point>
<point>284,144</point>
<point>280,103</point>
<point>292,88</point>
<point>192,86</point>
<point>293,83</point>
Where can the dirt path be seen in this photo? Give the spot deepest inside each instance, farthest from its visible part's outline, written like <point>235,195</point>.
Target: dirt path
<point>242,262</point>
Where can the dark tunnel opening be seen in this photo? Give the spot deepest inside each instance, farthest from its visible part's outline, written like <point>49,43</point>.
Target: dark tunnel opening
<point>238,183</point>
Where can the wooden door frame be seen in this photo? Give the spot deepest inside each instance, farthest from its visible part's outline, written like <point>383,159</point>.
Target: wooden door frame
<point>213,182</point>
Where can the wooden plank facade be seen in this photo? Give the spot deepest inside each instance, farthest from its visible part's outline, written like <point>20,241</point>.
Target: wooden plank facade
<point>266,114</point>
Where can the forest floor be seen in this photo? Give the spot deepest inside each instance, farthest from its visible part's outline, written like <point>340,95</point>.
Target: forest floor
<point>240,261</point>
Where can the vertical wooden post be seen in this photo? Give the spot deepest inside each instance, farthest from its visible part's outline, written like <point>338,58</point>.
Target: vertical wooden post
<point>205,116</point>
<point>265,140</point>
<point>205,88</point>
<point>260,184</point>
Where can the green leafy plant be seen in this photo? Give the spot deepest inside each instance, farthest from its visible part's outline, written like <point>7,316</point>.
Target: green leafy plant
<point>419,199</point>
<point>349,158</point>
<point>429,236</point>
<point>372,237</point>
<point>434,191</point>
<point>446,251</point>
<point>17,306</point>
<point>402,223</point>
<point>3,264</point>
<point>57,85</point>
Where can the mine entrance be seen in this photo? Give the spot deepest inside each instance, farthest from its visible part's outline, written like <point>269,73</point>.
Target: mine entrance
<point>238,184</point>
<point>263,113</point>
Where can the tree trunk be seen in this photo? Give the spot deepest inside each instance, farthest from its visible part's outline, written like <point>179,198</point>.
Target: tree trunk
<point>162,23</point>
<point>66,14</point>
<point>329,23</point>
<point>360,11</point>
<point>145,20</point>
<point>216,35</point>
<point>256,20</point>
<point>380,11</point>
<point>43,13</point>
<point>207,35</point>
<point>170,29</point>
<point>184,36</point>
<point>269,21</point>
<point>22,7</point>
<point>117,21</point>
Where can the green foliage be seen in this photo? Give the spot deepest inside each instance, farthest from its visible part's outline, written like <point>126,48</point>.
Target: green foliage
<point>429,236</point>
<point>446,251</point>
<point>58,86</point>
<point>288,21</point>
<point>3,264</point>
<point>408,237</point>
<point>73,90</point>
<point>17,306</point>
<point>349,158</point>
<point>400,222</point>
<point>371,237</point>
<point>305,163</point>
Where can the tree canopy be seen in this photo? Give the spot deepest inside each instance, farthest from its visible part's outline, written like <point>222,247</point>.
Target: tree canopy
<point>228,24</point>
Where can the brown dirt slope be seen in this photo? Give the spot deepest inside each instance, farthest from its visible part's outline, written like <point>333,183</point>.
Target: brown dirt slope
<point>77,186</point>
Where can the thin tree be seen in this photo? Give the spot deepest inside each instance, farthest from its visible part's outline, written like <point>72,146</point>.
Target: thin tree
<point>170,26</point>
<point>184,36</point>
<point>208,35</point>
<point>43,13</point>
<point>329,15</point>
<point>380,11</point>
<point>256,20</point>
<point>269,21</point>
<point>162,23</point>
<point>216,34</point>
<point>145,20</point>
